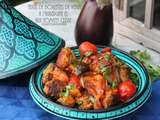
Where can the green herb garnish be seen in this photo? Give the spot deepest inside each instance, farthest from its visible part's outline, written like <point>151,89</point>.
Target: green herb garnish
<point>134,77</point>
<point>154,71</point>
<point>74,62</point>
<point>114,84</point>
<point>103,68</point>
<point>88,53</point>
<point>106,57</point>
<point>106,76</point>
<point>70,57</point>
<point>79,103</point>
<point>70,86</point>
<point>65,91</point>
<point>144,57</point>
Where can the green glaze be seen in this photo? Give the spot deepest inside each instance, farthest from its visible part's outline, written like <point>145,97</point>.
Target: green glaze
<point>142,95</point>
<point>23,44</point>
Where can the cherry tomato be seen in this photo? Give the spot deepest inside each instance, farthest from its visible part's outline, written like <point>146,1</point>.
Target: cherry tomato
<point>87,46</point>
<point>74,79</point>
<point>106,50</point>
<point>126,90</point>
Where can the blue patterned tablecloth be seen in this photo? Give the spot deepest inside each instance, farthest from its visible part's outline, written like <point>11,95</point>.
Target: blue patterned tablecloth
<point>17,104</point>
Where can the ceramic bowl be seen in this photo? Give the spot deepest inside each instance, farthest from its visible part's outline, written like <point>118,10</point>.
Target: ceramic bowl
<point>141,96</point>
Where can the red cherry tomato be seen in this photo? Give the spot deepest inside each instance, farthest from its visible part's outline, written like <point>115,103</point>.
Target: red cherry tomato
<point>87,46</point>
<point>106,50</point>
<point>126,90</point>
<point>74,79</point>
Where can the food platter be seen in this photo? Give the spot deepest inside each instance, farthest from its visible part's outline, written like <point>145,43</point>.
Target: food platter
<point>141,96</point>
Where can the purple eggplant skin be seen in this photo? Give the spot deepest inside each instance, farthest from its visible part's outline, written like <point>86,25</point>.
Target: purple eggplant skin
<point>95,24</point>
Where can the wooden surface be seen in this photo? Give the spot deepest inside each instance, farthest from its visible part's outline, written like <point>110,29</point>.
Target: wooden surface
<point>137,31</point>
<point>149,13</point>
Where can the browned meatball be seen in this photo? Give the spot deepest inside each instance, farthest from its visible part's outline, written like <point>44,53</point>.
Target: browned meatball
<point>94,83</point>
<point>47,73</point>
<point>53,88</point>
<point>60,75</point>
<point>52,72</point>
<point>65,57</point>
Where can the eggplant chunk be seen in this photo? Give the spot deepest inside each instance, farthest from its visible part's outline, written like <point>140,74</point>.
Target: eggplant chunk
<point>77,69</point>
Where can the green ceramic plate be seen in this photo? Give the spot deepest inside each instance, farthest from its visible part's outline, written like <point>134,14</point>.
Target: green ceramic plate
<point>142,95</point>
<point>23,44</point>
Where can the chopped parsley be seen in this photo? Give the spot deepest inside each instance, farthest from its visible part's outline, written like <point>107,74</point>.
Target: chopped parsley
<point>114,84</point>
<point>74,62</point>
<point>65,91</point>
<point>79,103</point>
<point>145,58</point>
<point>88,53</point>
<point>106,57</point>
<point>104,68</point>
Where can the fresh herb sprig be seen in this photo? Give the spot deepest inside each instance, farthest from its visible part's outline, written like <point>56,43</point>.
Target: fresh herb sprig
<point>145,58</point>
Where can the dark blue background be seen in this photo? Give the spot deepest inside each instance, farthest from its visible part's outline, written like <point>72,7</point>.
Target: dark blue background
<point>17,104</point>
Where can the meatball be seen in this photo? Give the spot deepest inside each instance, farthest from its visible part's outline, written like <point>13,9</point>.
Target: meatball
<point>52,72</point>
<point>65,57</point>
<point>47,76</point>
<point>60,75</point>
<point>53,88</point>
<point>94,83</point>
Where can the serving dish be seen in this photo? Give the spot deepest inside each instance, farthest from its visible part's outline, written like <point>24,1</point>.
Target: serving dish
<point>141,96</point>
